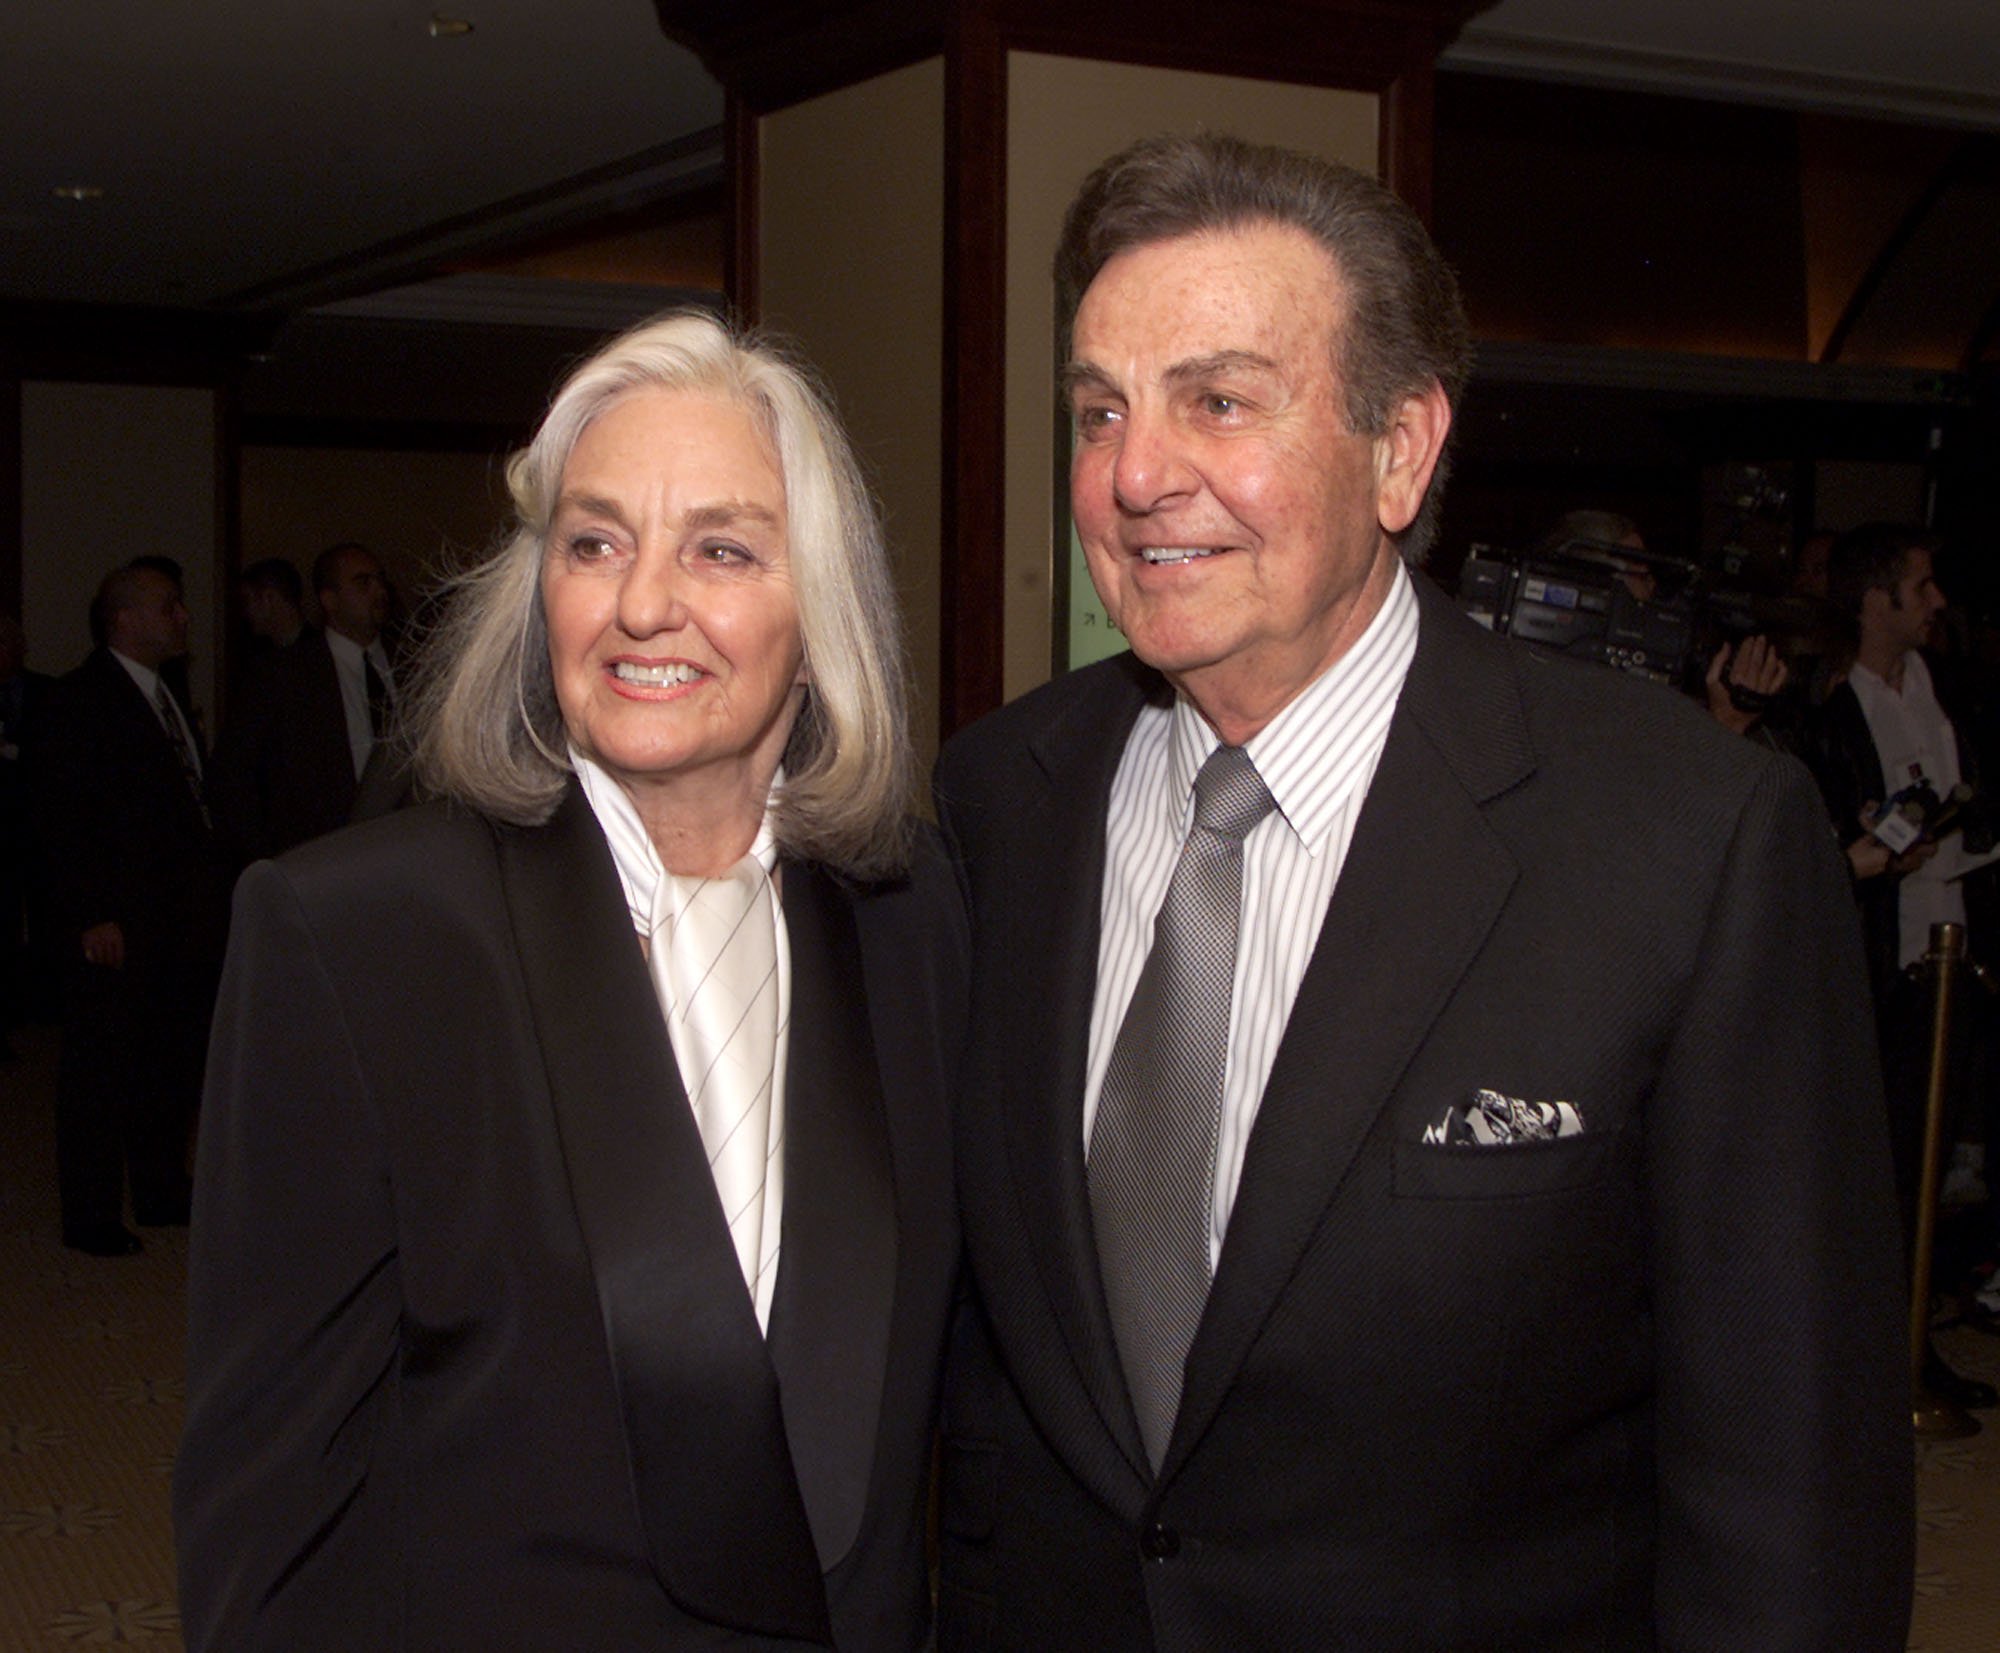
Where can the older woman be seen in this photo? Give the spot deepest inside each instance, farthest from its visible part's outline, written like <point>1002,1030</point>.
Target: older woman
<point>573,1236</point>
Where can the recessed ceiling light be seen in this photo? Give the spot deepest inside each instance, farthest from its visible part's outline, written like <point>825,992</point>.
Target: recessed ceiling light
<point>449,28</point>
<point>78,192</point>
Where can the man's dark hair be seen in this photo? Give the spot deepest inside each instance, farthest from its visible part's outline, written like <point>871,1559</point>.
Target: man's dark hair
<point>124,587</point>
<point>1871,558</point>
<point>168,567</point>
<point>277,574</point>
<point>1405,324</point>
<point>326,566</point>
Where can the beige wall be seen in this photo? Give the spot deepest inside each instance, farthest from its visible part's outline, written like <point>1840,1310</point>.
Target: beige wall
<point>108,473</point>
<point>1064,115</point>
<point>422,513</point>
<point>852,244</point>
<point>852,255</point>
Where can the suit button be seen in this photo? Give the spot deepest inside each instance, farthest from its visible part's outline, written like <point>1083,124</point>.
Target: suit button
<point>1159,1543</point>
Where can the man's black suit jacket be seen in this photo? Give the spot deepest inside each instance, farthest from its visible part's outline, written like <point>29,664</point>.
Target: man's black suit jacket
<point>471,1365</point>
<point>284,771</point>
<point>122,833</point>
<point>1638,1388</point>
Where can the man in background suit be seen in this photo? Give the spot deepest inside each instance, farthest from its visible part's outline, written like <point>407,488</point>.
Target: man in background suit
<point>139,898</point>
<point>273,601</point>
<point>289,761</point>
<point>1462,1221</point>
<point>23,997</point>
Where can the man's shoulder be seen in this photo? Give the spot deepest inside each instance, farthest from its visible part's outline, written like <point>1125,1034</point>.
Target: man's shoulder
<point>304,663</point>
<point>1094,702</point>
<point>93,671</point>
<point>96,687</point>
<point>1619,742</point>
<point>1571,712</point>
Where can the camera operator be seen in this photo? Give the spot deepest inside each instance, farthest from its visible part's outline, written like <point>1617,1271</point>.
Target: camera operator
<point>1746,675</point>
<point>1600,535</point>
<point>1896,749</point>
<point>1743,682</point>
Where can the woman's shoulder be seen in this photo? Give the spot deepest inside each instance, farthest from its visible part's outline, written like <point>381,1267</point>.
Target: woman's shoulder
<point>406,837</point>
<point>412,855</point>
<point>917,917</point>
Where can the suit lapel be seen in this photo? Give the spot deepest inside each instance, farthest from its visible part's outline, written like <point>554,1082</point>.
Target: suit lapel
<point>1424,881</point>
<point>324,720</point>
<point>725,1524</point>
<point>145,734</point>
<point>1078,760</point>
<point>829,1337</point>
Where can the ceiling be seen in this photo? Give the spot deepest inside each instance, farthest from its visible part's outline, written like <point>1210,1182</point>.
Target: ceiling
<point>258,154</point>
<point>275,155</point>
<point>1934,62</point>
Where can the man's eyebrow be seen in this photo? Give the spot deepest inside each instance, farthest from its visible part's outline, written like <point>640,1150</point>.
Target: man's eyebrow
<point>1076,376</point>
<point>1218,362</point>
<point>1081,376</point>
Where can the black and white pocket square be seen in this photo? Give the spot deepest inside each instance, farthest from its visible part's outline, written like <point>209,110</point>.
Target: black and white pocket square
<point>1491,1120</point>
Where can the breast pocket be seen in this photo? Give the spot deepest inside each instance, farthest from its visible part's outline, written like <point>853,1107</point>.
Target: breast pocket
<point>1431,1171</point>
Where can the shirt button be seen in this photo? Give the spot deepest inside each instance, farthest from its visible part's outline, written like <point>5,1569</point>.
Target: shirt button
<point>1159,1543</point>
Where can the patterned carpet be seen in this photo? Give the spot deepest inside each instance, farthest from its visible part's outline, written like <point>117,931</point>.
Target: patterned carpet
<point>1958,1520</point>
<point>90,1408</point>
<point>90,1404</point>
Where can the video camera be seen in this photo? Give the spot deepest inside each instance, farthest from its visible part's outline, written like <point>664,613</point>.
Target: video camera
<point>1643,612</point>
<point>1587,598</point>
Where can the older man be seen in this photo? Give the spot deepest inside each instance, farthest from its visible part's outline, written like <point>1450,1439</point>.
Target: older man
<point>1421,1153</point>
<point>139,904</point>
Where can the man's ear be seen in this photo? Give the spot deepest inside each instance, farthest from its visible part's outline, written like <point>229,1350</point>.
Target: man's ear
<point>1406,455</point>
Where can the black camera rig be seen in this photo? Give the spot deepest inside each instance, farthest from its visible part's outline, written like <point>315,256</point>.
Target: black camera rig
<point>1643,612</point>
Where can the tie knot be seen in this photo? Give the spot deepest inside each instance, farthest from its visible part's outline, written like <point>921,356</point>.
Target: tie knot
<point>1230,797</point>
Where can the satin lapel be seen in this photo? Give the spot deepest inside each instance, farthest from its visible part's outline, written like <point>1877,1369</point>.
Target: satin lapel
<point>1424,881</point>
<point>724,1521</point>
<point>1058,928</point>
<point>837,1271</point>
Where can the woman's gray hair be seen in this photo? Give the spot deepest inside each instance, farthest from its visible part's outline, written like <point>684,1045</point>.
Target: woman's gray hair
<point>486,727</point>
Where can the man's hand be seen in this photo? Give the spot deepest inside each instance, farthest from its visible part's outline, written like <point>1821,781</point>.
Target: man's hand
<point>1914,857</point>
<point>1754,665</point>
<point>1869,857</point>
<point>104,944</point>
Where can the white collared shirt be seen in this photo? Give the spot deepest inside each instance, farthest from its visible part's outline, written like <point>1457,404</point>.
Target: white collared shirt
<point>347,666</point>
<point>1914,738</point>
<point>148,682</point>
<point>640,873</point>
<point>1318,757</point>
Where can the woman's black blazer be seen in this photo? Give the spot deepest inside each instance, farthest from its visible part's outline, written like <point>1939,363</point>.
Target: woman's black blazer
<point>470,1361</point>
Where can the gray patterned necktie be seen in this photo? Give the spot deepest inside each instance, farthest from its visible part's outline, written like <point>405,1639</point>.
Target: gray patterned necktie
<point>163,703</point>
<point>1152,1146</point>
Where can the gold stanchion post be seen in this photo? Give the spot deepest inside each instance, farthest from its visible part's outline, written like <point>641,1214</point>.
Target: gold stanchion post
<point>1931,1415</point>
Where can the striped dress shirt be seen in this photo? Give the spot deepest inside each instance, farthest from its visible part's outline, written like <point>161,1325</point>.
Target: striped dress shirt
<point>1317,756</point>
